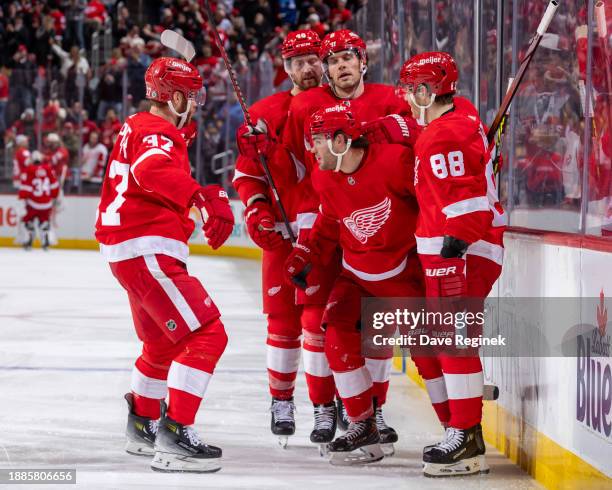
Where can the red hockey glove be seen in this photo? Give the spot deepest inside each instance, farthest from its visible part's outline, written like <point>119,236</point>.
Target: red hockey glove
<point>260,224</point>
<point>253,141</point>
<point>216,214</point>
<point>190,132</point>
<point>445,278</point>
<point>393,129</point>
<point>298,265</point>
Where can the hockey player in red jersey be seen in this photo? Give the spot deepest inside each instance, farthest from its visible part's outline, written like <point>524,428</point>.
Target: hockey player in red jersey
<point>367,206</point>
<point>38,188</point>
<point>21,157</point>
<point>344,58</point>
<point>286,319</point>
<point>143,226</point>
<point>460,244</point>
<point>57,155</point>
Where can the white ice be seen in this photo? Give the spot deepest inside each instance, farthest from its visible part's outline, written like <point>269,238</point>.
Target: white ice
<point>66,350</point>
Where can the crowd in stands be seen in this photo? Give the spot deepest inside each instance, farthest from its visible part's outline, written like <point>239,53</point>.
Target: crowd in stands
<point>71,68</point>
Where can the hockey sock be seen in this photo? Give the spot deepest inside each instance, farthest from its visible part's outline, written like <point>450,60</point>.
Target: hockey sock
<point>319,377</point>
<point>379,370</point>
<point>282,355</point>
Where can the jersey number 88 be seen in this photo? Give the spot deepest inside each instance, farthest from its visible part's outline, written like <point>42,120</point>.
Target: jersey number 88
<point>455,165</point>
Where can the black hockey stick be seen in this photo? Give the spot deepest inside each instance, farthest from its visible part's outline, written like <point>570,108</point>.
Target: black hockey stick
<point>498,125</point>
<point>299,280</point>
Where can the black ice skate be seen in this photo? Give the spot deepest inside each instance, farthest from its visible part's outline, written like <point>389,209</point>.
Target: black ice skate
<point>343,421</point>
<point>282,421</point>
<point>140,431</point>
<point>360,444</point>
<point>325,421</point>
<point>388,436</point>
<point>460,453</point>
<point>44,236</point>
<point>179,449</point>
<point>30,230</point>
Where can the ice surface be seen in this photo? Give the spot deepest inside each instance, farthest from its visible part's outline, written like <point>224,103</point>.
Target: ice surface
<point>66,351</point>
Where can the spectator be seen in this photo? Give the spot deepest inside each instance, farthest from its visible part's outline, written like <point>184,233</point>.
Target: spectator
<point>94,159</point>
<point>74,23</point>
<point>72,143</point>
<point>110,128</point>
<point>22,79</point>
<point>26,125</point>
<point>43,36</point>
<point>4,97</point>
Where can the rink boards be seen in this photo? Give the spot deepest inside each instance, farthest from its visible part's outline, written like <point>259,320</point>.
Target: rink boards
<point>541,420</point>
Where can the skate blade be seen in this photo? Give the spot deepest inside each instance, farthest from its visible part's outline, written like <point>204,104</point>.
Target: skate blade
<point>177,463</point>
<point>324,450</point>
<point>388,449</point>
<point>469,466</point>
<point>363,455</point>
<point>136,448</point>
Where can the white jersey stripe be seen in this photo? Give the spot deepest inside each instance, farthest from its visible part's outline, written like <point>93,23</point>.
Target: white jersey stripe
<point>466,206</point>
<point>462,386</point>
<point>482,248</point>
<point>379,369</point>
<point>367,276</point>
<point>145,245</point>
<point>175,296</point>
<point>352,383</point>
<point>145,386</point>
<point>282,360</point>
<point>436,388</point>
<point>188,379</point>
<point>315,364</point>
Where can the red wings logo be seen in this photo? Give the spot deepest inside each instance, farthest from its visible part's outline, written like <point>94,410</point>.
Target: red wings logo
<point>602,315</point>
<point>365,223</point>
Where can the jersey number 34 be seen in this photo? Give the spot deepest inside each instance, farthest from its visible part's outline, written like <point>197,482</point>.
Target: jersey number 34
<point>441,168</point>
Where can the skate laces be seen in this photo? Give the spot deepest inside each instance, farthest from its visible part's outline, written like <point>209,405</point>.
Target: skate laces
<point>380,421</point>
<point>283,410</point>
<point>453,438</point>
<point>192,435</point>
<point>153,426</point>
<point>324,417</point>
<point>354,430</point>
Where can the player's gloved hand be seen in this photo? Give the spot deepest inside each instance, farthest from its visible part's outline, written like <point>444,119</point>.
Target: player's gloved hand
<point>298,265</point>
<point>254,141</point>
<point>216,214</point>
<point>392,129</point>
<point>453,247</point>
<point>190,132</point>
<point>260,222</point>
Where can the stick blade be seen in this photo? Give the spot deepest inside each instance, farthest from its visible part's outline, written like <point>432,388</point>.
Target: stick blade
<point>178,43</point>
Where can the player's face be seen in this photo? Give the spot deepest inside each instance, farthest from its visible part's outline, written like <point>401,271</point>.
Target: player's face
<point>306,71</point>
<point>325,159</point>
<point>422,97</point>
<point>344,69</point>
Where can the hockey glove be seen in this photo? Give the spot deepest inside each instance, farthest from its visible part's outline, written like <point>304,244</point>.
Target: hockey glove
<point>216,214</point>
<point>190,132</point>
<point>298,265</point>
<point>260,225</point>
<point>393,129</point>
<point>453,247</point>
<point>254,141</point>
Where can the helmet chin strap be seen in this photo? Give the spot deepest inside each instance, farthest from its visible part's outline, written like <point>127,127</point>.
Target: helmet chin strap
<point>421,119</point>
<point>181,115</point>
<point>339,155</point>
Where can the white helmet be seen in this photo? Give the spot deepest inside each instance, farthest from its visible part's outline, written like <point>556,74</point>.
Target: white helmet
<point>53,138</point>
<point>36,156</point>
<point>21,140</point>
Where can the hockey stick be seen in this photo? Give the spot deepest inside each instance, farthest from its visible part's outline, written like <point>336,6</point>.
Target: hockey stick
<point>178,43</point>
<point>498,124</point>
<point>299,280</point>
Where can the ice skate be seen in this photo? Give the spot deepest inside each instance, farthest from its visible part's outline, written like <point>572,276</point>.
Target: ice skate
<point>343,421</point>
<point>282,421</point>
<point>44,236</point>
<point>388,436</point>
<point>178,449</point>
<point>460,453</point>
<point>140,432</point>
<point>325,422</point>
<point>360,444</point>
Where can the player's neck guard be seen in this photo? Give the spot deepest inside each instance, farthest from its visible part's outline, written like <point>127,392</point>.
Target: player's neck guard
<point>181,115</point>
<point>341,154</point>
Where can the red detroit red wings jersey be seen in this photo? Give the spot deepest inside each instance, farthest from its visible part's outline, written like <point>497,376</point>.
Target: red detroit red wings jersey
<point>249,177</point>
<point>376,210</point>
<point>455,186</point>
<point>39,186</point>
<point>144,205</point>
<point>376,101</point>
<point>20,161</point>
